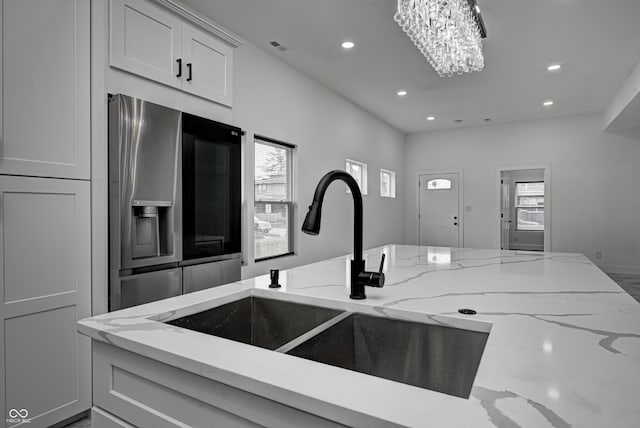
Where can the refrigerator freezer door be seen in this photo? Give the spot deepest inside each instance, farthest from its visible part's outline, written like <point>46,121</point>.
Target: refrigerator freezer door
<point>207,275</point>
<point>146,287</point>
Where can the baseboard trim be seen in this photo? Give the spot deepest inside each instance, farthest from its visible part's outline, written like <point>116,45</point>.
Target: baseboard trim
<point>72,419</point>
<point>629,270</point>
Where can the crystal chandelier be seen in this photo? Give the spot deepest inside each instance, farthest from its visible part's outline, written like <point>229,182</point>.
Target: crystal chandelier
<point>449,33</point>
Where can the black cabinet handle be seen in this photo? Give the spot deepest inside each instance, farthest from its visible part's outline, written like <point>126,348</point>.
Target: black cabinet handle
<point>190,75</point>
<point>179,61</point>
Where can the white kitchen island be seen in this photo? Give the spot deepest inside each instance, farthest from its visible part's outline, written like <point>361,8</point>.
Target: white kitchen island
<point>563,349</point>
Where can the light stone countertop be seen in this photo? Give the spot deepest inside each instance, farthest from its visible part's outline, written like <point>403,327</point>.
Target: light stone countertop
<point>563,348</point>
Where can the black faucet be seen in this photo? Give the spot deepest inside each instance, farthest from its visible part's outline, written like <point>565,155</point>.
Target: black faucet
<point>359,277</point>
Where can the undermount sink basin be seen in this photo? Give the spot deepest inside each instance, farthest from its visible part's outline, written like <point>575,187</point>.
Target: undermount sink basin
<point>267,323</point>
<point>442,359</point>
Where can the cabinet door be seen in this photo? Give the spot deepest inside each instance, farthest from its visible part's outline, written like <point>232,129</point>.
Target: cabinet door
<point>45,88</point>
<point>45,281</point>
<point>146,40</point>
<point>210,61</point>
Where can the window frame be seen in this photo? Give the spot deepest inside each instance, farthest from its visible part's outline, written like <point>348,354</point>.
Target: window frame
<point>392,183</point>
<point>517,206</point>
<point>364,168</point>
<point>289,203</point>
<point>449,184</point>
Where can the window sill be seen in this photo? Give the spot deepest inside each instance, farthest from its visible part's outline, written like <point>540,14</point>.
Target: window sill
<point>264,259</point>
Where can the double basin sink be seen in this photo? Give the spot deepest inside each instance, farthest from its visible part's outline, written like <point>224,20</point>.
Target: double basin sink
<point>439,358</point>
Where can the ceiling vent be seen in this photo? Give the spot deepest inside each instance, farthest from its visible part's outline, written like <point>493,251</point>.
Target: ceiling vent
<point>278,46</point>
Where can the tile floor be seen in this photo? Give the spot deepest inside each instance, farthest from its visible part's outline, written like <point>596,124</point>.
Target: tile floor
<point>82,423</point>
<point>630,283</point>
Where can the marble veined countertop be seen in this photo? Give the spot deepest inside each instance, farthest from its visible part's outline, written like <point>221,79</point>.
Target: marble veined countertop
<point>563,349</point>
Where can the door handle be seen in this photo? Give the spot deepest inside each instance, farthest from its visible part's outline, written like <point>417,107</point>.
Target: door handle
<point>190,72</point>
<point>455,217</point>
<point>455,223</point>
<point>179,61</point>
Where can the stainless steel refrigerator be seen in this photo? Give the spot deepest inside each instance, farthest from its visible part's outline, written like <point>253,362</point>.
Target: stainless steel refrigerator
<point>146,189</point>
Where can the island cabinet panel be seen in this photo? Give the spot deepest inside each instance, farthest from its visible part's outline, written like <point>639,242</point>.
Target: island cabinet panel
<point>44,120</point>
<point>144,392</point>
<point>45,281</point>
<point>147,39</point>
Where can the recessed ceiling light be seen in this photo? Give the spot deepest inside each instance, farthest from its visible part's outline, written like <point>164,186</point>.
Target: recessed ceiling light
<point>430,118</point>
<point>348,45</point>
<point>402,93</point>
<point>548,103</point>
<point>554,67</point>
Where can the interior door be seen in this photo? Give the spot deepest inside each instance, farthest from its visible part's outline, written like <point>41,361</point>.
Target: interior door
<point>505,211</point>
<point>439,215</point>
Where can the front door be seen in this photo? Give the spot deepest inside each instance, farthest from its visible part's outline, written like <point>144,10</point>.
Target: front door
<point>439,216</point>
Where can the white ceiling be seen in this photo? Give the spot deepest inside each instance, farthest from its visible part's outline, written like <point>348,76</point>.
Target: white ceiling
<point>596,41</point>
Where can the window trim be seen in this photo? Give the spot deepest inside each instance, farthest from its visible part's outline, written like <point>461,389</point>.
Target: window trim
<point>392,183</point>
<point>261,139</point>
<point>364,186</point>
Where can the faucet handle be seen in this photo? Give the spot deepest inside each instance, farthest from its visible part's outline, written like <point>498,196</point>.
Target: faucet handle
<point>373,279</point>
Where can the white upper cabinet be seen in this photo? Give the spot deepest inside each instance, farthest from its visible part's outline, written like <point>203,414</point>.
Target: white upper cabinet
<point>146,40</point>
<point>45,129</point>
<point>208,66</point>
<point>149,40</point>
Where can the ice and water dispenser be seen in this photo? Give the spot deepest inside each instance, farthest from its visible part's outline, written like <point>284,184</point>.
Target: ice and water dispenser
<point>152,234</point>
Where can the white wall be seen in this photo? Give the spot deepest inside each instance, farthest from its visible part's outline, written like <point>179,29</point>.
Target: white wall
<point>595,179</point>
<point>277,101</point>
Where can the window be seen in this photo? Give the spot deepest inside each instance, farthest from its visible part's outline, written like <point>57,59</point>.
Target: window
<point>273,205</point>
<point>387,183</point>
<point>530,206</point>
<point>358,171</point>
<point>439,184</point>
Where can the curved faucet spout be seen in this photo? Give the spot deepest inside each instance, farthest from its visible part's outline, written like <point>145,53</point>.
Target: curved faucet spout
<point>359,277</point>
<point>312,221</point>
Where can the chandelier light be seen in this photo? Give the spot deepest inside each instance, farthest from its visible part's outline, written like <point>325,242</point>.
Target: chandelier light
<point>448,33</point>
